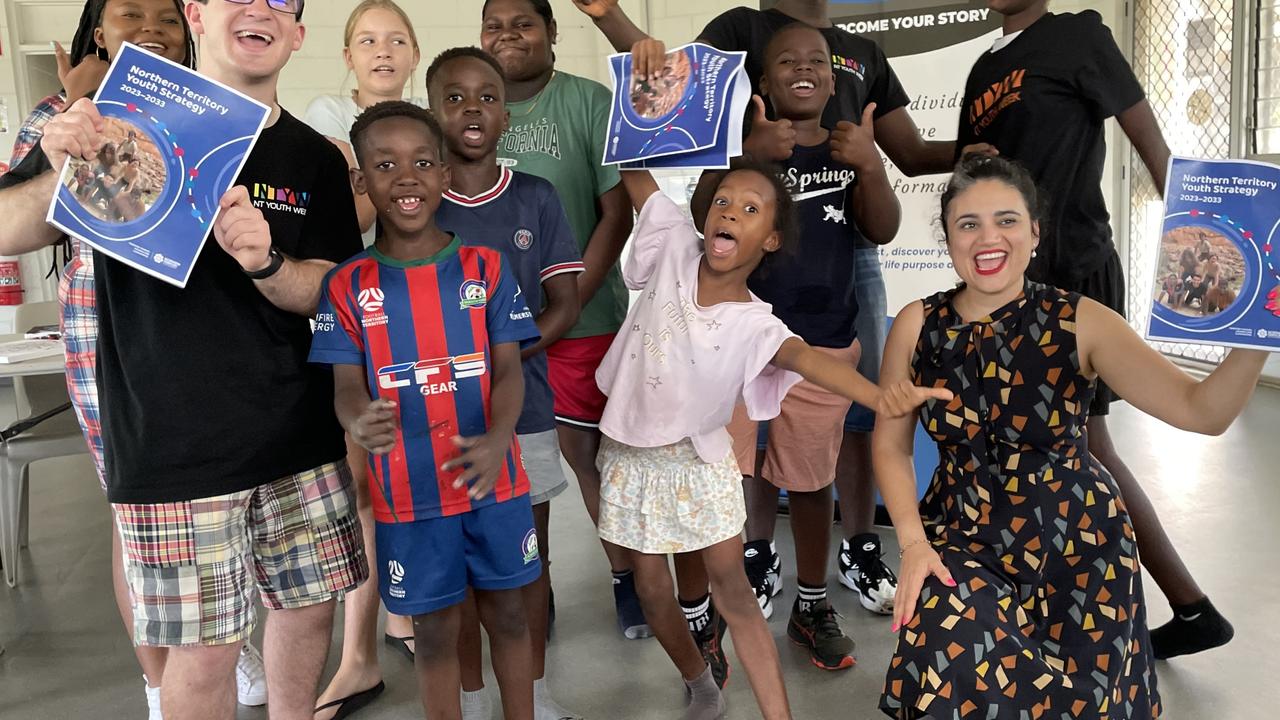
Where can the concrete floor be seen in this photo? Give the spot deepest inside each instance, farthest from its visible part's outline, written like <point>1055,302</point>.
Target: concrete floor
<point>67,656</point>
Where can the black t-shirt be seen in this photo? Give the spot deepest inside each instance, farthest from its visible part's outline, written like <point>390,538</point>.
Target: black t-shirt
<point>810,285</point>
<point>207,390</point>
<point>1042,101</point>
<point>862,71</point>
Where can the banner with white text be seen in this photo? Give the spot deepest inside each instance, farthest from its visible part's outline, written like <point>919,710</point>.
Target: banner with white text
<point>931,46</point>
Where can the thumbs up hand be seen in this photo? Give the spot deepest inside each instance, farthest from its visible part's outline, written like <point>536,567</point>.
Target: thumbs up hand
<point>770,140</point>
<point>242,231</point>
<point>855,145</point>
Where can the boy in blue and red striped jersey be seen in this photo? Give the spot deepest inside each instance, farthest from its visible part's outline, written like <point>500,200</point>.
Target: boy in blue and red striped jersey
<point>425,334</point>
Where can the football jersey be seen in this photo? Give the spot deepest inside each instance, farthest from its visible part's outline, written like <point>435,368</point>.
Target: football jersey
<point>521,217</point>
<point>424,330</point>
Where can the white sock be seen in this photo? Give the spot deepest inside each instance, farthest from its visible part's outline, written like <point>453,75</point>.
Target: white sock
<point>476,705</point>
<point>153,699</point>
<point>705,700</point>
<point>697,616</point>
<point>810,596</point>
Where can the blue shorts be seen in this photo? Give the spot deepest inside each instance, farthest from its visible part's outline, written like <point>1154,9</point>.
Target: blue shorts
<point>427,565</point>
<point>868,288</point>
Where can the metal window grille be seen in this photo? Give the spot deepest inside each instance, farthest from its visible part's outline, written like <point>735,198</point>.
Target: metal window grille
<point>1182,57</point>
<point>1263,138</point>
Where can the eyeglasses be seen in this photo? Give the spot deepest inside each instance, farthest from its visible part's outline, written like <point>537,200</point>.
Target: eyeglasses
<point>293,7</point>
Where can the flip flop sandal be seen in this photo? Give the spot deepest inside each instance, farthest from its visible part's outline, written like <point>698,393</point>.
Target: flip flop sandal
<point>400,644</point>
<point>348,705</point>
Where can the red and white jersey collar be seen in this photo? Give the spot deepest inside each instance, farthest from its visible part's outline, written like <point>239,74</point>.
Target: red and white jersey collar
<point>504,181</point>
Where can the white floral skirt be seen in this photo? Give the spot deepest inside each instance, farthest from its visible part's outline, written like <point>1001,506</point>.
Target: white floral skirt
<point>667,499</point>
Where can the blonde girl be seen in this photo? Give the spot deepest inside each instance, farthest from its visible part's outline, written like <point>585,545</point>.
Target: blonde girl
<point>381,50</point>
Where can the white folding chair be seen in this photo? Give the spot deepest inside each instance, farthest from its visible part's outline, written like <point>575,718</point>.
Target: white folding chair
<point>57,434</point>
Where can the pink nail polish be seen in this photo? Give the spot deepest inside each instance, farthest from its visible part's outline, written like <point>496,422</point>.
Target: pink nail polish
<point>951,582</point>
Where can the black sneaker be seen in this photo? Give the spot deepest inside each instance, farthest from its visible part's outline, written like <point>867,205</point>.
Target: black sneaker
<point>710,641</point>
<point>1203,628</point>
<point>863,570</point>
<point>630,615</point>
<point>764,573</point>
<point>818,630</point>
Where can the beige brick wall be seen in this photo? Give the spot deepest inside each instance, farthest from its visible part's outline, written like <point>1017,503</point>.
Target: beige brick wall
<point>318,69</point>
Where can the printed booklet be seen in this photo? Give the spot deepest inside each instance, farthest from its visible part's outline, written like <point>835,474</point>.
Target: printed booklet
<point>690,117</point>
<point>176,142</point>
<point>1217,274</point>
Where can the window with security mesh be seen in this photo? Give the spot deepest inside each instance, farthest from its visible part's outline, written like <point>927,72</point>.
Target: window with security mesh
<point>1264,120</point>
<point>1182,56</point>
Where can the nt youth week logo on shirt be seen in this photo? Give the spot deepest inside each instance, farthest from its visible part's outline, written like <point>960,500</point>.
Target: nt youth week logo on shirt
<point>849,65</point>
<point>988,106</point>
<point>280,199</point>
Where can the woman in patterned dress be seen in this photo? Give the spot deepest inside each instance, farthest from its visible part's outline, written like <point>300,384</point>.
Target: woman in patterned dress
<point>1020,594</point>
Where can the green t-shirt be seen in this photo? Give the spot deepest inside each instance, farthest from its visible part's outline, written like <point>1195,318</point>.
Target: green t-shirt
<point>558,135</point>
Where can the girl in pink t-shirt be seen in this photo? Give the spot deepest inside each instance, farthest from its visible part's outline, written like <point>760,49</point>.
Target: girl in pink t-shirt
<point>695,341</point>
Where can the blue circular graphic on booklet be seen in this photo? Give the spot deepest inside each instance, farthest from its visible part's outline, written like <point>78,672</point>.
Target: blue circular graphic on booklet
<point>126,190</point>
<point>1210,273</point>
<point>223,165</point>
<point>655,102</point>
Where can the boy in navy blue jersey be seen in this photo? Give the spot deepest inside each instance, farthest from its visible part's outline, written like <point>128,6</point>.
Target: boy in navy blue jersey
<point>519,215</point>
<point>842,199</point>
<point>432,329</point>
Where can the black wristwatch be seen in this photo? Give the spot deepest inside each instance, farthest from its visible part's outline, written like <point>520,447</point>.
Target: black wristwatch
<point>276,261</point>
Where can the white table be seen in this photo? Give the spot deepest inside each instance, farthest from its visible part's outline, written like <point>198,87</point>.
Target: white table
<point>51,365</point>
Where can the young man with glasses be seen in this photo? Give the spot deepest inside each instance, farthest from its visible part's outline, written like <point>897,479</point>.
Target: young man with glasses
<point>224,461</point>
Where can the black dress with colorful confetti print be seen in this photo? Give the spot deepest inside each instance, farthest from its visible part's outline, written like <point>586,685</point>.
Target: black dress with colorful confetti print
<point>1047,618</point>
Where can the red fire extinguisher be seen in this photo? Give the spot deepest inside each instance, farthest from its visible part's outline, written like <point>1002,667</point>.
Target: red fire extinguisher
<point>10,281</point>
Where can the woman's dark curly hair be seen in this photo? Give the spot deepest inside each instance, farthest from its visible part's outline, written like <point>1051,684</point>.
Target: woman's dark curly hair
<point>974,167</point>
<point>83,45</point>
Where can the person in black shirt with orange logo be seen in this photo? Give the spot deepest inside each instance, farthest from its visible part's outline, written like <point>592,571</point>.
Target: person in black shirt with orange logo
<point>1041,96</point>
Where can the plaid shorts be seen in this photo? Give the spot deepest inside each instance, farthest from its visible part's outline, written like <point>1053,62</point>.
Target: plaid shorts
<point>188,564</point>
<point>80,334</point>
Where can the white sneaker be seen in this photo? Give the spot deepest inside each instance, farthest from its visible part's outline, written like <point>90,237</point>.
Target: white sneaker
<point>766,580</point>
<point>863,570</point>
<point>251,677</point>
<point>153,700</point>
<point>544,708</point>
